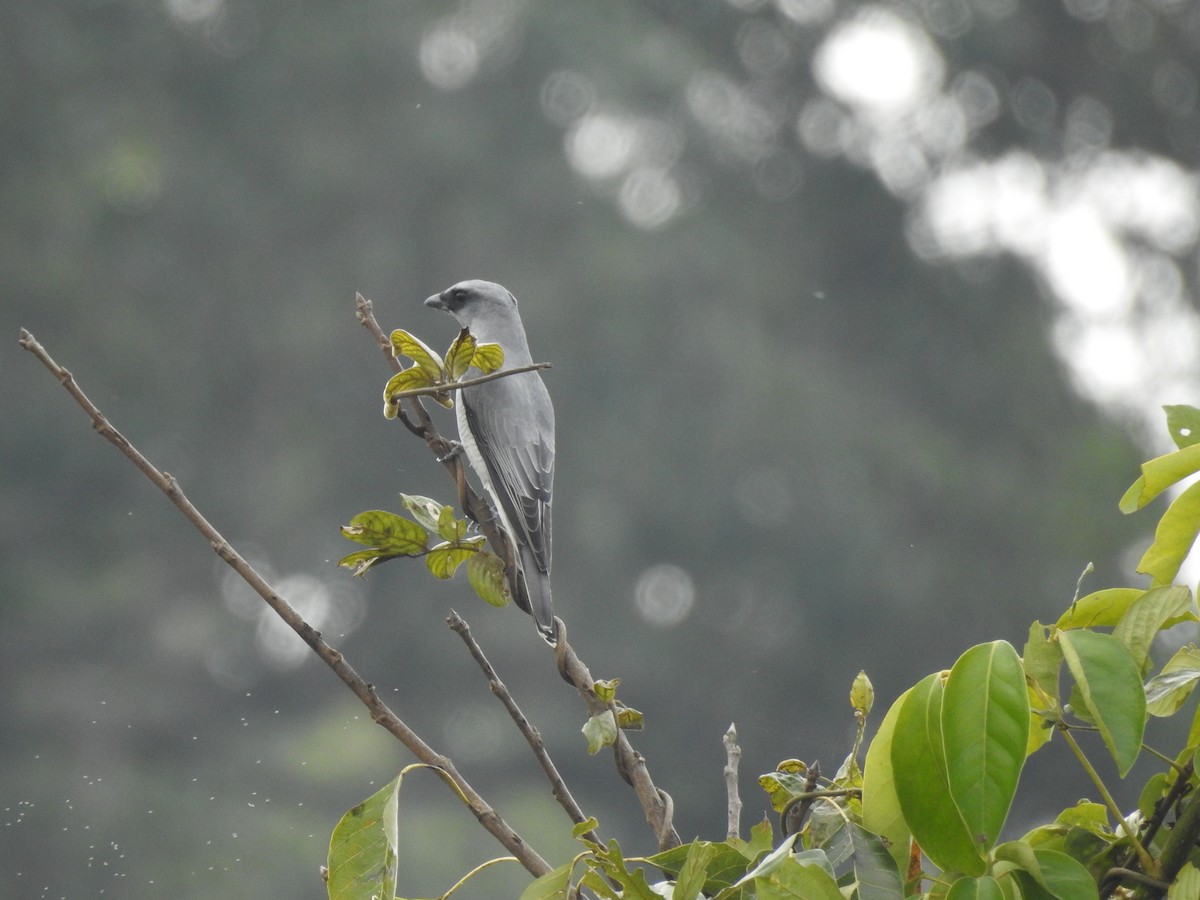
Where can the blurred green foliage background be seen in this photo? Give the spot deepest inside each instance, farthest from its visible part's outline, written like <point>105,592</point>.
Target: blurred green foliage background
<point>857,314</point>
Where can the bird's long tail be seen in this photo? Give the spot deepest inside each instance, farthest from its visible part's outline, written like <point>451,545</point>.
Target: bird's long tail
<point>537,585</point>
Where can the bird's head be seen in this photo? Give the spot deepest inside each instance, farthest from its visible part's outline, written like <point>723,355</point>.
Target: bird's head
<point>475,303</point>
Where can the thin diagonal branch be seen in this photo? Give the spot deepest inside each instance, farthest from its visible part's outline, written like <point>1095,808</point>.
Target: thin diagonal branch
<point>656,803</point>
<point>558,786</point>
<point>365,691</point>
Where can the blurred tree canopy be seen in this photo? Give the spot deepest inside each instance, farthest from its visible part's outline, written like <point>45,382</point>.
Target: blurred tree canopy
<point>855,310</point>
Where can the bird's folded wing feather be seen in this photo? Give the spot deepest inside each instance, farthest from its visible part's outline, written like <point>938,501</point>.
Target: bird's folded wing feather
<point>513,428</point>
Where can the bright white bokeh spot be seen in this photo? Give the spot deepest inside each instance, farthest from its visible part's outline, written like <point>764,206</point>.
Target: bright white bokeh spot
<point>599,145</point>
<point>879,63</point>
<point>649,196</point>
<point>1085,264</point>
<point>664,595</point>
<point>449,57</point>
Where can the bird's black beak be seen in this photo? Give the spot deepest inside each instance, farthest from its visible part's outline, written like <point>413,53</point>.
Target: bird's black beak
<point>436,302</point>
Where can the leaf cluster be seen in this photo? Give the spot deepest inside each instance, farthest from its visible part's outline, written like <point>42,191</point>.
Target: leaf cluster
<point>923,816</point>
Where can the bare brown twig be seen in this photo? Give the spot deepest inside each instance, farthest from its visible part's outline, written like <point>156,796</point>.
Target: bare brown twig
<point>656,803</point>
<point>380,713</point>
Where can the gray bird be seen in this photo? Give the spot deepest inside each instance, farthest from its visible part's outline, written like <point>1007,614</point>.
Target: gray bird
<point>506,427</point>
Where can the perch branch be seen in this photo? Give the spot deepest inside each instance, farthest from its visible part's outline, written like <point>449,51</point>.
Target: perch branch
<point>656,803</point>
<point>380,713</point>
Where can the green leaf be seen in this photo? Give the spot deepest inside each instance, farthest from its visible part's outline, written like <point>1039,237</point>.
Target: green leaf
<point>924,791</point>
<point>488,358</point>
<point>406,380</point>
<point>726,865</point>
<point>601,731</point>
<point>969,888</point>
<point>1174,536</point>
<point>630,719</point>
<point>794,880</point>
<point>361,561</point>
<point>450,528</point>
<point>1057,874</point>
<point>862,695</point>
<point>881,812</point>
<point>551,886</point>
<point>606,689</point>
<point>426,511</point>
<point>485,572</point>
<point>694,873</point>
<point>460,354</point>
<point>985,727</point>
<point>782,788</point>
<point>387,532</point>
<point>1184,424</point>
<point>405,344</point>
<point>1100,609</point>
<point>1110,686</point>
<point>443,559</point>
<point>1149,613</point>
<point>1186,885</point>
<point>875,870</point>
<point>1167,691</point>
<point>1087,815</point>
<point>363,852</point>
<point>1159,474</point>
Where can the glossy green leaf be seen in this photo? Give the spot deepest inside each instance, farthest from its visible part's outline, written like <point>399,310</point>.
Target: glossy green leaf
<point>1167,691</point>
<point>875,870</point>
<point>881,812</point>
<point>485,572</point>
<point>1060,876</point>
<point>488,358</point>
<point>1148,615</point>
<point>968,888</point>
<point>363,852</point>
<point>1159,474</point>
<point>405,344</point>
<point>1100,609</point>
<point>1174,535</point>
<point>924,791</point>
<point>388,532</point>
<point>985,727</point>
<point>1110,687</point>
<point>601,731</point>
<point>460,354</point>
<point>1087,815</point>
<point>1183,422</point>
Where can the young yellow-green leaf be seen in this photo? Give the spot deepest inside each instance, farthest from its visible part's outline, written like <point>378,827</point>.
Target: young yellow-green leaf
<point>1153,611</point>
<point>1184,424</point>
<point>485,572</point>
<point>361,561</point>
<point>606,689</point>
<point>601,731</point>
<point>388,532</point>
<point>924,791</point>
<point>426,511</point>
<point>406,380</point>
<point>363,849</point>
<point>862,694</point>
<point>1110,686</point>
<point>1087,815</point>
<point>1042,660</point>
<point>448,527</point>
<point>1167,691</point>
<point>694,872</point>
<point>488,358</point>
<point>405,344</point>
<point>880,807</point>
<point>1159,474</point>
<point>443,559</point>
<point>796,880</point>
<point>630,719</point>
<point>782,788</point>
<point>1174,536</point>
<point>970,888</point>
<point>460,354</point>
<point>1099,609</point>
<point>985,728</point>
<point>1186,885</point>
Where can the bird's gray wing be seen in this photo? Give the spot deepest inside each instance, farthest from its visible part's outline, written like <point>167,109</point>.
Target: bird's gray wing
<point>512,422</point>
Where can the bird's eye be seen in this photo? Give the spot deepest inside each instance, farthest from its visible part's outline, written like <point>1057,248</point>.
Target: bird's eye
<point>460,294</point>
